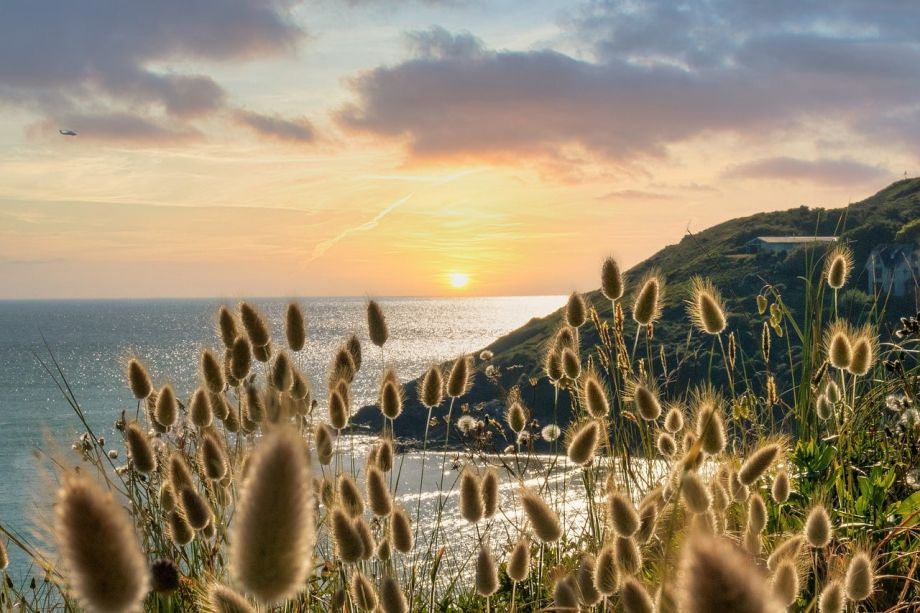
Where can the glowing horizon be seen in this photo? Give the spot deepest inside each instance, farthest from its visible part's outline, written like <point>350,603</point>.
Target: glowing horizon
<point>377,149</point>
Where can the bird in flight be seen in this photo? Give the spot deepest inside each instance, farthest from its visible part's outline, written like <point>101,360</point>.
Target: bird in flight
<point>67,132</point>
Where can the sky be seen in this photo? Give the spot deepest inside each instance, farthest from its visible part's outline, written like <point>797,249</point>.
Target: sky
<point>230,148</point>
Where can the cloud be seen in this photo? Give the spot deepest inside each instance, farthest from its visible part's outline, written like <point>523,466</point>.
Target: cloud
<point>651,75</point>
<point>326,245</point>
<point>633,194</point>
<point>824,171</point>
<point>102,56</point>
<point>274,127</point>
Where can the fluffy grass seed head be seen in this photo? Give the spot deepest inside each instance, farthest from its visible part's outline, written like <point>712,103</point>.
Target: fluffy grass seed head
<point>576,311</point>
<point>594,395</point>
<point>282,372</point>
<point>543,519</point>
<point>195,507</point>
<point>612,279</point>
<point>461,377</point>
<point>166,409</point>
<point>565,595</point>
<point>706,307</point>
<point>627,554</point>
<point>644,397</point>
<point>392,599</point>
<point>199,409</point>
<point>401,530</point>
<point>262,353</point>
<point>255,326</point>
<point>471,503</point>
<point>391,399</point>
<point>102,559</point>
<point>588,595</point>
<point>635,598</point>
<point>859,582</point>
<point>295,327</point>
<point>837,345</point>
<point>272,534</point>
<point>571,364</point>
<point>674,419</point>
<point>666,444</point>
<point>787,550</point>
<point>516,416</point>
<point>781,487</point>
<point>818,528</point>
<point>139,449</point>
<point>211,372</point>
<point>832,598</point>
<point>838,266</point>
<point>338,410</point>
<point>716,576</point>
<point>138,379</point>
<point>710,430</point>
<point>378,494</point>
<point>363,594</point>
<point>350,496</point>
<point>385,454</point>
<point>376,324</point>
<point>240,358</point>
<point>786,582</point>
<point>758,462</point>
<point>431,388</point>
<point>224,600</point>
<point>606,573</point>
<point>226,326</point>
<point>695,494</point>
<point>647,305</point>
<point>211,457</point>
<point>757,513</point>
<point>323,435</point>
<point>824,408</point>
<point>490,492</point>
<point>486,572</point>
<point>865,350</point>
<point>180,530</point>
<point>583,442</point>
<point>519,561</point>
<point>622,513</point>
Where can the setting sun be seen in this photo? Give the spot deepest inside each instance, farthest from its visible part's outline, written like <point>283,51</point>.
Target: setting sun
<point>458,280</point>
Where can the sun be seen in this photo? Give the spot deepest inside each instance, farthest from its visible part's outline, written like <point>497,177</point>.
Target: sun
<point>458,280</point>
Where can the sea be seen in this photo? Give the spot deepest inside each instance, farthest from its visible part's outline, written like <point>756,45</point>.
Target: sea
<point>90,340</point>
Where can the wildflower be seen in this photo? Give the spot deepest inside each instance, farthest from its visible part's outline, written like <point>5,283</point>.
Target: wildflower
<point>550,433</point>
<point>466,424</point>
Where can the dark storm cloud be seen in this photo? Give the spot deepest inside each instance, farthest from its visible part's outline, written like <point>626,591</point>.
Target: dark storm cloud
<point>655,74</point>
<point>65,58</point>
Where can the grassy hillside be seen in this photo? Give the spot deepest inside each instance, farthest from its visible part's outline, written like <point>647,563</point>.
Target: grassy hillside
<point>718,253</point>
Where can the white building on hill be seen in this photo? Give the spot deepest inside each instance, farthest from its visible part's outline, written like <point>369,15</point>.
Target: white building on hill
<point>780,244</point>
<point>895,268</point>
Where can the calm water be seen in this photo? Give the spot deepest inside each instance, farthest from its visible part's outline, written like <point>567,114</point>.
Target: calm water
<point>91,339</point>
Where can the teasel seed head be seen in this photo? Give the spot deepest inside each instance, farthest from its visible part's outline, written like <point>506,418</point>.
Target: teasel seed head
<point>634,597</point>
<point>519,562</point>
<point>338,410</point>
<point>837,345</point>
<point>401,530</point>
<point>486,572</point>
<point>391,401</point>
<point>392,599</point>
<point>786,582</point>
<point>363,593</point>
<point>102,559</point>
<point>211,372</point>
<point>139,449</point>
<point>611,279</point>
<point>583,442</point>
<point>787,550</point>
<point>571,364</point>
<point>757,513</point>
<point>240,358</point>
<point>431,389</point>
<point>584,581</point>
<point>674,420</point>
<point>666,444</point>
<point>606,573</point>
<point>196,509</point>
<point>859,582</point>
<point>758,462</point>
<point>543,519</point>
<point>199,409</point>
<point>378,494</point>
<point>622,514</point>
<point>837,266</point>
<point>345,536</point>
<point>780,489</point>
<point>576,311</point>
<point>180,531</point>
<point>595,396</point>
<point>138,379</point>
<point>647,306</point>
<point>460,377</point>
<point>818,528</point>
<point>706,307</point>
<point>516,416</point>
<point>226,326</point>
<point>282,377</point>
<point>272,534</point>
<point>471,505</point>
<point>694,493</point>
<point>716,576</point>
<point>323,435</point>
<point>865,349</point>
<point>255,326</point>
<point>376,324</point>
<point>224,600</point>
<point>628,556</point>
<point>832,598</point>
<point>295,327</point>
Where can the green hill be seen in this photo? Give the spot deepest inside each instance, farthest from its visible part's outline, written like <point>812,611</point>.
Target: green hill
<point>720,253</point>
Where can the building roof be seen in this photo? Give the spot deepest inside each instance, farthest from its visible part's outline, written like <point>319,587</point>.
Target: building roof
<point>796,239</point>
<point>890,253</point>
